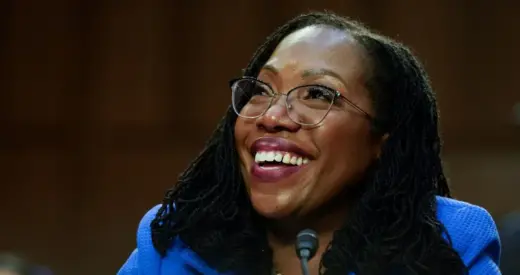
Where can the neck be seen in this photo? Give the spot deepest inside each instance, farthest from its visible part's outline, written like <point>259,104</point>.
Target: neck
<point>282,235</point>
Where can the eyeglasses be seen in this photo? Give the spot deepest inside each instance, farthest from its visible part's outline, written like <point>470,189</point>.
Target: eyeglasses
<point>307,105</point>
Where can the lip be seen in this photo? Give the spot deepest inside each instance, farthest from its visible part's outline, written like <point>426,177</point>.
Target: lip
<point>276,173</point>
<point>273,174</point>
<point>278,144</point>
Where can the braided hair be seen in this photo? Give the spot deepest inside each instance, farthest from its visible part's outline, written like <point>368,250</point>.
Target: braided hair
<point>393,225</point>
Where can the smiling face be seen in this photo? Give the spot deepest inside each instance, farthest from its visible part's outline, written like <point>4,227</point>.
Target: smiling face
<point>311,164</point>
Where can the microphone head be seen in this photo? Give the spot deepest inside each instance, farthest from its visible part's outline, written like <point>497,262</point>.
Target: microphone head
<point>306,240</point>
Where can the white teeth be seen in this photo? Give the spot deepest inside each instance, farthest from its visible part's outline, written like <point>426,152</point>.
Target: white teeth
<point>281,157</point>
<point>260,157</point>
<point>269,156</point>
<point>294,160</point>
<point>286,159</point>
<point>278,157</point>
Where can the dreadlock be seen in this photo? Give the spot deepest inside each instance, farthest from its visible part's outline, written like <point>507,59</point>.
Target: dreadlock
<point>392,227</point>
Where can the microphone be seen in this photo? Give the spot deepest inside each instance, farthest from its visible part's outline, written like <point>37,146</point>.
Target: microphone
<point>306,246</point>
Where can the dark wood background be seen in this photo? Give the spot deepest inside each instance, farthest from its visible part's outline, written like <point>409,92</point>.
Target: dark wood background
<point>103,103</point>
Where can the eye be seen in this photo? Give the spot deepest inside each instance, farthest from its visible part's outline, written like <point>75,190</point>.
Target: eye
<point>318,93</point>
<point>257,89</point>
<point>251,88</point>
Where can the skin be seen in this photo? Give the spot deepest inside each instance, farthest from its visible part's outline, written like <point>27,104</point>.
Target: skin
<point>7,272</point>
<point>307,199</point>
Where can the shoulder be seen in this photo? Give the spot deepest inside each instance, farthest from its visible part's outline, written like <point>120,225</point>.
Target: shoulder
<point>146,260</point>
<point>470,228</point>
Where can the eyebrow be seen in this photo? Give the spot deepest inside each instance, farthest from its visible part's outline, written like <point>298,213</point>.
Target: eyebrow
<point>307,73</point>
<point>270,68</point>
<point>320,72</point>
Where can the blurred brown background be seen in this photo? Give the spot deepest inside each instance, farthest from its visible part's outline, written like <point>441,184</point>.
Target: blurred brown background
<point>103,103</point>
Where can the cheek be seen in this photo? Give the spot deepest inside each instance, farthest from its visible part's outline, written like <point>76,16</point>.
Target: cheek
<point>240,132</point>
<point>342,135</point>
<point>345,148</point>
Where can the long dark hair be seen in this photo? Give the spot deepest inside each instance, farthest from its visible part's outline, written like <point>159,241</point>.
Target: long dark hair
<point>393,226</point>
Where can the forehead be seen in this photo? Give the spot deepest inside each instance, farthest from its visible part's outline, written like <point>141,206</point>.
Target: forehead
<point>319,47</point>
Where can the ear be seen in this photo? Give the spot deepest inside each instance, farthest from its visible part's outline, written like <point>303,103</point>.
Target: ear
<point>378,145</point>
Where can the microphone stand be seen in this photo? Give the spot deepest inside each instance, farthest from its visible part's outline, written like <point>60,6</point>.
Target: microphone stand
<point>304,260</point>
<point>306,246</point>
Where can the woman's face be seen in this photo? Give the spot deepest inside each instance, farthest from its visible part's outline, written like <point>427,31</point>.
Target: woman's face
<point>334,153</point>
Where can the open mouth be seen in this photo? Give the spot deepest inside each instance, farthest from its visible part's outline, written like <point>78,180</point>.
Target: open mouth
<point>272,166</point>
<point>276,158</point>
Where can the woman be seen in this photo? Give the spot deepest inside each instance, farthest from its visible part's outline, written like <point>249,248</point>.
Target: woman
<point>332,128</point>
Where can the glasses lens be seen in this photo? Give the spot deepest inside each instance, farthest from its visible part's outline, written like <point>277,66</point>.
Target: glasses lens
<point>309,105</point>
<point>250,98</point>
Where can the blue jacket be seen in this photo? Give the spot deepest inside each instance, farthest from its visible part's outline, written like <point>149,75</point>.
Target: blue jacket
<point>471,228</point>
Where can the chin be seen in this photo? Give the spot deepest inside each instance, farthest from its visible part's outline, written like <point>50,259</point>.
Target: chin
<point>270,207</point>
<point>273,215</point>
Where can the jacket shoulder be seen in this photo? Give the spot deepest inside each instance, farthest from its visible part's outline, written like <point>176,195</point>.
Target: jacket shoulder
<point>144,232</point>
<point>145,259</point>
<point>471,229</point>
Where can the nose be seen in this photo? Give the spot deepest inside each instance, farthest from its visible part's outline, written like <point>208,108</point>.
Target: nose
<point>276,118</point>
